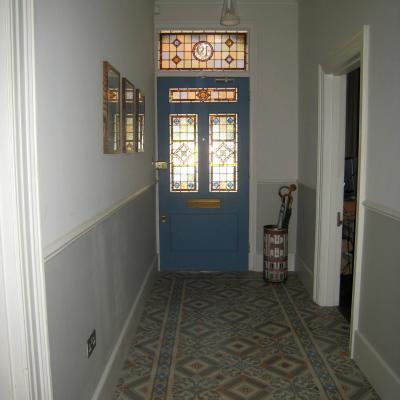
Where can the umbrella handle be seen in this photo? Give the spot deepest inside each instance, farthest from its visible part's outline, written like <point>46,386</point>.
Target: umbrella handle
<point>292,188</point>
<point>289,189</point>
<point>283,188</point>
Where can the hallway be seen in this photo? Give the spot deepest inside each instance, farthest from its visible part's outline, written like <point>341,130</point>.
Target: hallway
<point>231,336</point>
<point>87,156</point>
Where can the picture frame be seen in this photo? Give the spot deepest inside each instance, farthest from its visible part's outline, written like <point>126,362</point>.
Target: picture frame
<point>128,118</point>
<point>111,109</point>
<point>140,120</point>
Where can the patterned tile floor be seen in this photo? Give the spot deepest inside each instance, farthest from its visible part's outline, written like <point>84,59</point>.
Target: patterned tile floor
<point>231,336</point>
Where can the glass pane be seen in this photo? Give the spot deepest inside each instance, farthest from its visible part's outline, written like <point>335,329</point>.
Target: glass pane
<point>203,50</point>
<point>183,153</point>
<point>204,95</point>
<point>223,155</point>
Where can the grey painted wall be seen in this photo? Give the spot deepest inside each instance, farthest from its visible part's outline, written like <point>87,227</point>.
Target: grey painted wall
<point>380,294</point>
<point>306,234</point>
<point>92,284</point>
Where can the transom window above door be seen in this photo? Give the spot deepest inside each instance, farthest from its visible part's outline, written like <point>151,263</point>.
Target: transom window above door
<point>203,95</point>
<point>203,50</point>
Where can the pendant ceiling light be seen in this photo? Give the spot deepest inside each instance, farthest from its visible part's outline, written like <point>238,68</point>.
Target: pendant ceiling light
<point>229,16</point>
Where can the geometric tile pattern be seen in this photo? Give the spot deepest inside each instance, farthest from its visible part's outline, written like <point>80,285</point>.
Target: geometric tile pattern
<point>229,336</point>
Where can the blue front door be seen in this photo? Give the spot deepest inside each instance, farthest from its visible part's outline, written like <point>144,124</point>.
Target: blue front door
<point>203,135</point>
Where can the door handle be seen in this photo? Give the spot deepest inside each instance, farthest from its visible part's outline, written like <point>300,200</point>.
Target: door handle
<point>163,219</point>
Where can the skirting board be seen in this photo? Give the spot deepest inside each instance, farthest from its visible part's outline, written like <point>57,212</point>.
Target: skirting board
<point>109,377</point>
<point>382,377</point>
<point>305,274</point>
<point>258,264</point>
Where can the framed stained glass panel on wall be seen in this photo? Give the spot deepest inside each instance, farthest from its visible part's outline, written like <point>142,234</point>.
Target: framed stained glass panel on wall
<point>111,109</point>
<point>128,116</point>
<point>203,50</point>
<point>140,120</point>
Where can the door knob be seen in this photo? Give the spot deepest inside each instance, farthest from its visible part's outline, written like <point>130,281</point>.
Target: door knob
<point>163,219</point>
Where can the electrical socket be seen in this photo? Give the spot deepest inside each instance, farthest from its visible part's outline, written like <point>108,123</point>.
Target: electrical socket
<point>91,343</point>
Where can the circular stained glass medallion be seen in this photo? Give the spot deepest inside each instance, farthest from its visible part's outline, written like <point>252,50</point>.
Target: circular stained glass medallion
<point>203,51</point>
<point>203,94</point>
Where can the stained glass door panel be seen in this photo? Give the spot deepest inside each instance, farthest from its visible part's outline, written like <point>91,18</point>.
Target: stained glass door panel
<point>203,195</point>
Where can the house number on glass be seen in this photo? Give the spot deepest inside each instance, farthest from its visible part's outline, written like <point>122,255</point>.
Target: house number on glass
<point>203,51</point>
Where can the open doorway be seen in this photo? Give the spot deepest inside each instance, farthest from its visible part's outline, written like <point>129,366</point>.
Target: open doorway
<point>333,72</point>
<point>350,191</point>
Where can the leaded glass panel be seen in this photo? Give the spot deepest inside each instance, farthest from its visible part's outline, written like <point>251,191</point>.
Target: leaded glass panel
<point>223,152</point>
<point>203,95</point>
<point>183,145</point>
<point>203,50</point>
<point>129,130</point>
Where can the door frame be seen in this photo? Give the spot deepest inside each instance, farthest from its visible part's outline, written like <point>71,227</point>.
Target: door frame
<point>251,74</point>
<point>22,277</point>
<point>331,136</point>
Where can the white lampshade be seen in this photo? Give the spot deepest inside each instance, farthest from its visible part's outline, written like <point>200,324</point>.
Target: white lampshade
<point>229,16</point>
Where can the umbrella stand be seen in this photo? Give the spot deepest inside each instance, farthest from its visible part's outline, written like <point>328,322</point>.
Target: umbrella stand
<point>276,239</point>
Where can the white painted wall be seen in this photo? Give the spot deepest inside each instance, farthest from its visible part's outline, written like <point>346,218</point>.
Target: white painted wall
<point>73,38</point>
<point>319,34</point>
<point>95,268</point>
<point>274,99</point>
<point>325,26</point>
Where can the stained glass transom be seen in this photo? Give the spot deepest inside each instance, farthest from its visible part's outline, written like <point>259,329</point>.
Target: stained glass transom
<point>206,95</point>
<point>223,152</point>
<point>203,50</point>
<point>183,144</point>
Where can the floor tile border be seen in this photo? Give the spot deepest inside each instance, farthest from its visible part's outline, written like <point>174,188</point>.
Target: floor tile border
<point>316,359</point>
<point>160,384</point>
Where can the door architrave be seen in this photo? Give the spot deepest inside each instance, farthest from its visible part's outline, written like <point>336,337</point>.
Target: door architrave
<point>21,261</point>
<point>251,74</point>
<point>331,136</point>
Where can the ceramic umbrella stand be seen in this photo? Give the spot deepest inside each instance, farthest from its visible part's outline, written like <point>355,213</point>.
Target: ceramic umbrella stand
<point>275,253</point>
<point>276,239</point>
